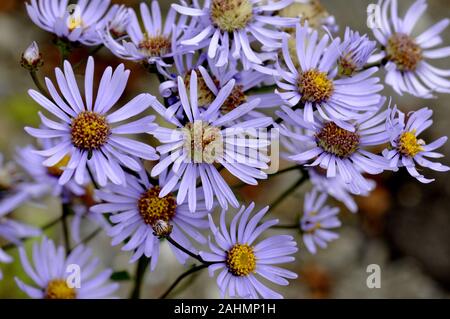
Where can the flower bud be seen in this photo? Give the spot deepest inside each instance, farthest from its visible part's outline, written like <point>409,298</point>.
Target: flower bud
<point>31,57</point>
<point>162,228</point>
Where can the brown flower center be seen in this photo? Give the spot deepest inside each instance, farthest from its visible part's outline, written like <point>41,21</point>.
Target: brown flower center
<point>152,208</point>
<point>236,98</point>
<point>89,130</point>
<point>156,46</point>
<point>336,140</point>
<point>204,95</point>
<point>203,142</point>
<point>404,52</point>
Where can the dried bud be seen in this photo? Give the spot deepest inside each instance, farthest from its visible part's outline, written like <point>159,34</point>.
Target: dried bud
<point>31,57</point>
<point>162,228</point>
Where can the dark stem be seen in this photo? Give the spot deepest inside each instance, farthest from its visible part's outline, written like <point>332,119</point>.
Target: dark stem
<point>139,277</point>
<point>291,189</point>
<point>198,257</point>
<point>92,177</point>
<point>181,277</point>
<point>293,226</point>
<point>39,85</point>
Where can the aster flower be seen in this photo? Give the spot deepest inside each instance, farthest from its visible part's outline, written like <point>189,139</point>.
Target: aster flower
<point>240,261</point>
<point>407,55</point>
<point>117,23</point>
<point>317,221</point>
<point>340,151</point>
<point>52,273</point>
<point>230,26</point>
<point>355,51</point>
<point>205,138</point>
<point>85,131</point>
<point>140,213</point>
<point>75,23</point>
<point>210,83</point>
<point>152,44</point>
<point>408,150</point>
<point>316,86</point>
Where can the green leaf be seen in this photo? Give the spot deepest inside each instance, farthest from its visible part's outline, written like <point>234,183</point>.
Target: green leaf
<point>120,276</point>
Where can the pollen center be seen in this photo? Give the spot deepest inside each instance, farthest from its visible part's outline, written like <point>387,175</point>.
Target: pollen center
<point>236,98</point>
<point>152,208</point>
<point>155,46</point>
<point>74,22</point>
<point>58,289</point>
<point>241,260</point>
<point>57,169</point>
<point>89,131</point>
<point>202,142</point>
<point>404,52</point>
<point>231,15</point>
<point>336,140</point>
<point>409,145</point>
<point>315,86</point>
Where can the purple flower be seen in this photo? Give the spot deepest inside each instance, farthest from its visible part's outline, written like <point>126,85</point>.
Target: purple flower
<point>230,26</point>
<point>151,45</point>
<point>240,261</point>
<point>340,151</point>
<point>355,51</point>
<point>138,210</point>
<point>316,86</point>
<point>408,149</point>
<point>407,67</point>
<point>317,220</point>
<point>54,274</point>
<point>74,22</point>
<point>85,131</point>
<point>204,138</point>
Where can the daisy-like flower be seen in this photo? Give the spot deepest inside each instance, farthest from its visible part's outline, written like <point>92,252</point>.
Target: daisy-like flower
<point>407,67</point>
<point>152,44</point>
<point>241,261</point>
<point>341,152</point>
<point>210,83</point>
<point>142,215</point>
<point>317,220</point>
<point>74,22</point>
<point>355,51</point>
<point>408,150</point>
<point>54,274</point>
<point>230,26</point>
<point>315,84</point>
<point>85,133</point>
<point>204,138</point>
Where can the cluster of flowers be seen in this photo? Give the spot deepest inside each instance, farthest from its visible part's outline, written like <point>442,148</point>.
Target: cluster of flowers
<point>223,67</point>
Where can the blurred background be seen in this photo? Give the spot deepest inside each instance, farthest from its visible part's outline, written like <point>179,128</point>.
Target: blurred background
<point>403,226</point>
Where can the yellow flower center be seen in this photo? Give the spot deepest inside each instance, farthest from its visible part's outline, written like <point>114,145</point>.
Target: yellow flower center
<point>202,142</point>
<point>152,208</point>
<point>241,260</point>
<point>156,46</point>
<point>404,52</point>
<point>89,131</point>
<point>231,15</point>
<point>58,289</point>
<point>315,86</point>
<point>336,140</point>
<point>409,145</point>
<point>204,94</point>
<point>74,22</point>
<point>57,169</point>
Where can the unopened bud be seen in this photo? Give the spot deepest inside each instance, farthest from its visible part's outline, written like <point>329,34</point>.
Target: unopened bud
<point>31,57</point>
<point>162,228</point>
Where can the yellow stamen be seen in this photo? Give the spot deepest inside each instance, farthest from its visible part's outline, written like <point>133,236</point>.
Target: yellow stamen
<point>409,145</point>
<point>89,130</point>
<point>58,289</point>
<point>315,86</point>
<point>152,208</point>
<point>241,260</point>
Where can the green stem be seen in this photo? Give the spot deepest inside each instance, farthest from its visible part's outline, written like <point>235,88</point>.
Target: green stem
<point>38,84</point>
<point>181,277</point>
<point>139,277</point>
<point>65,212</point>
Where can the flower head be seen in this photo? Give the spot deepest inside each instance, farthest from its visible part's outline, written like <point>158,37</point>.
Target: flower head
<point>407,55</point>
<point>315,85</point>
<point>138,212</point>
<point>408,149</point>
<point>86,134</point>
<point>355,52</point>
<point>74,22</point>
<point>240,260</point>
<point>205,138</point>
<point>230,26</point>
<point>317,221</point>
<point>32,58</point>
<point>52,271</point>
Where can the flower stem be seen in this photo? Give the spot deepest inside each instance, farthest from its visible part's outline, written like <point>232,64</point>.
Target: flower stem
<point>198,257</point>
<point>181,277</point>
<point>38,84</point>
<point>291,189</point>
<point>65,213</point>
<point>139,277</point>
